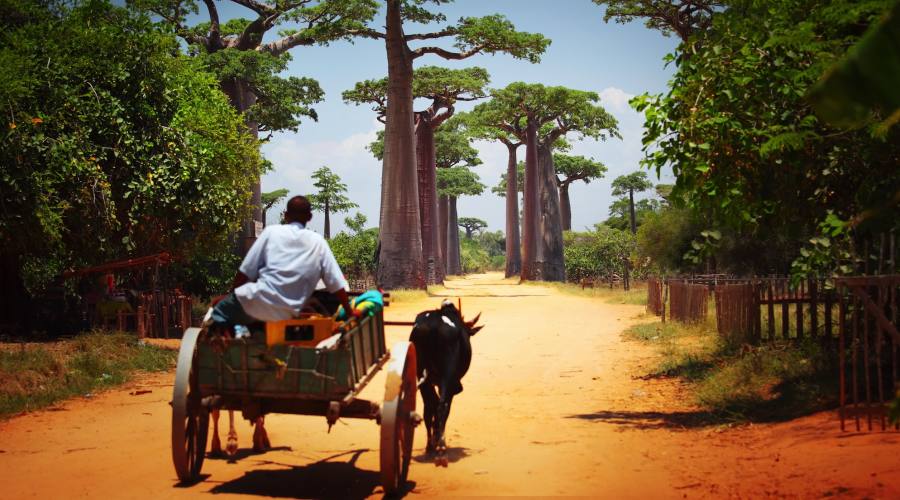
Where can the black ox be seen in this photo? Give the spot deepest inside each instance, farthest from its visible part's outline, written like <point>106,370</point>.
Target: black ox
<point>443,355</point>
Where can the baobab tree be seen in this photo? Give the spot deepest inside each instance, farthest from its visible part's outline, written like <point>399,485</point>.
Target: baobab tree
<point>247,67</point>
<point>573,168</point>
<point>471,224</point>
<point>487,123</point>
<point>681,17</point>
<point>400,259</point>
<point>330,198</point>
<point>442,88</point>
<point>628,185</point>
<point>549,114</point>
<point>454,182</point>
<point>269,200</point>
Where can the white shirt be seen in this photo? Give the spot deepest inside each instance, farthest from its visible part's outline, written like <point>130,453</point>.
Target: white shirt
<point>284,265</point>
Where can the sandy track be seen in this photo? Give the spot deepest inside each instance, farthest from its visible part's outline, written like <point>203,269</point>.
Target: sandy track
<point>551,407</point>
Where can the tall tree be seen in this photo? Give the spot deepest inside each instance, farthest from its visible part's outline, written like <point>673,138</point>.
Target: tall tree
<point>573,168</point>
<point>270,199</point>
<point>247,67</point>
<point>453,148</point>
<point>628,185</point>
<point>442,88</point>
<point>681,17</point>
<point>454,182</point>
<point>488,124</point>
<point>330,198</point>
<point>400,259</point>
<point>113,146</point>
<point>548,115</point>
<point>620,212</point>
<point>471,224</point>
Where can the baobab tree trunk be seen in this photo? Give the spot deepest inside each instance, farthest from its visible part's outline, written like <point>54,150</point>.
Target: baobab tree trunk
<point>513,242</point>
<point>428,213</point>
<point>241,98</point>
<point>565,207</point>
<point>550,245</point>
<point>631,209</point>
<point>327,221</point>
<point>454,266</point>
<point>400,259</point>
<point>443,224</point>
<point>529,234</point>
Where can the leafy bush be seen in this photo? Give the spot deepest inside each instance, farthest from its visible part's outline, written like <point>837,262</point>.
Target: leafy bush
<point>601,252</point>
<point>355,251</point>
<point>485,251</point>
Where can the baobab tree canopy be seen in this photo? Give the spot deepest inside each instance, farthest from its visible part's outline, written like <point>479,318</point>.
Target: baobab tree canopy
<point>573,168</point>
<point>681,17</point>
<point>330,197</point>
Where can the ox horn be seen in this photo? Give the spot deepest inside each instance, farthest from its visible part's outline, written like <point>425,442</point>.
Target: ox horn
<point>470,324</point>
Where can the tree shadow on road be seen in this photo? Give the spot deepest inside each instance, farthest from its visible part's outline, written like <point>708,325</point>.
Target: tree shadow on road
<point>644,420</point>
<point>326,478</point>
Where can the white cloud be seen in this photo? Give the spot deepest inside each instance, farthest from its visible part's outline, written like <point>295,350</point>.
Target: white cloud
<point>615,100</point>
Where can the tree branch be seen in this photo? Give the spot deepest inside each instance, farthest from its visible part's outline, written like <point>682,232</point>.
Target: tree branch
<point>285,44</point>
<point>431,36</point>
<point>260,8</point>
<point>214,32</point>
<point>437,120</point>
<point>446,54</point>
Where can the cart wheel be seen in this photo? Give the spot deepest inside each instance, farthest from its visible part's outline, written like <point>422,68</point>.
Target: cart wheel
<point>190,421</point>
<point>397,426</point>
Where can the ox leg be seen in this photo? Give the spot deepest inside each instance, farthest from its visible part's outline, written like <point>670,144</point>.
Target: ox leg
<point>443,413</point>
<point>215,447</point>
<point>231,445</point>
<point>260,437</point>
<point>430,400</point>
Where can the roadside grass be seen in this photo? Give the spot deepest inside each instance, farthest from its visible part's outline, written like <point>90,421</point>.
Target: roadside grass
<point>637,295</point>
<point>741,383</point>
<point>407,295</point>
<point>37,375</point>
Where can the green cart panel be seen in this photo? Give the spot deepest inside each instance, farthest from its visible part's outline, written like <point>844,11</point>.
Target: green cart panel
<point>248,367</point>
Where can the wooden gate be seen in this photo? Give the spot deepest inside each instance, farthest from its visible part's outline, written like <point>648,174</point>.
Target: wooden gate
<point>869,310</point>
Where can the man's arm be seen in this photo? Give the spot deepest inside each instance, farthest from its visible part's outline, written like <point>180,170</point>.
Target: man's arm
<point>345,301</point>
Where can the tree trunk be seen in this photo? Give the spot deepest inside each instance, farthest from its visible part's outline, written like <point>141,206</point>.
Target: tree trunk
<point>468,233</point>
<point>241,97</point>
<point>565,207</point>
<point>631,210</point>
<point>513,242</point>
<point>532,191</point>
<point>454,266</point>
<point>327,221</point>
<point>550,245</point>
<point>443,224</point>
<point>400,260</point>
<point>428,212</point>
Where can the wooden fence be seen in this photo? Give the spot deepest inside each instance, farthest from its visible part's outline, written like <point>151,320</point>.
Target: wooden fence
<point>737,312</point>
<point>869,311</point>
<point>656,303</point>
<point>688,303</point>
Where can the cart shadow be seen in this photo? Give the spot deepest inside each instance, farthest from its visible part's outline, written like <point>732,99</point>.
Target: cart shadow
<point>454,454</point>
<point>243,453</point>
<point>323,479</point>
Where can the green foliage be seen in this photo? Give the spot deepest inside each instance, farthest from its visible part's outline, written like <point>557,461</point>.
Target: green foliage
<point>620,216</point>
<point>494,33</point>
<point>355,253</point>
<point>743,142</point>
<point>272,197</point>
<point>865,79</point>
<point>635,182</point>
<point>577,168</point>
<point>664,237</point>
<point>597,253</point>
<point>458,181</point>
<point>330,197</point>
<point>681,17</point>
<point>484,252</point>
<point>471,225</point>
<point>115,146</point>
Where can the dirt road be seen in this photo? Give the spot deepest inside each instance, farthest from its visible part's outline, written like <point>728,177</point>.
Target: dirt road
<point>551,406</point>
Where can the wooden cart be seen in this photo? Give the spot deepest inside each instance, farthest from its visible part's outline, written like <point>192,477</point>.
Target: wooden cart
<point>298,367</point>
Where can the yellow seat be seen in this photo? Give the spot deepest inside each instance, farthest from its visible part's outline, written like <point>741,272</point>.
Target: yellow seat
<point>307,331</point>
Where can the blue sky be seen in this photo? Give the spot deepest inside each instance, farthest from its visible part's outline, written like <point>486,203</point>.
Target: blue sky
<point>615,60</point>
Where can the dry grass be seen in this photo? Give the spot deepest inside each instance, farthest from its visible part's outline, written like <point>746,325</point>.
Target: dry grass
<point>36,375</point>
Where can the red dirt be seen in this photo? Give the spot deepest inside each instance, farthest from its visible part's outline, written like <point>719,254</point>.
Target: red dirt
<point>551,406</point>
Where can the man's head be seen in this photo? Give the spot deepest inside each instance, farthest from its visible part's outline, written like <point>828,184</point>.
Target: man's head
<point>298,210</point>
